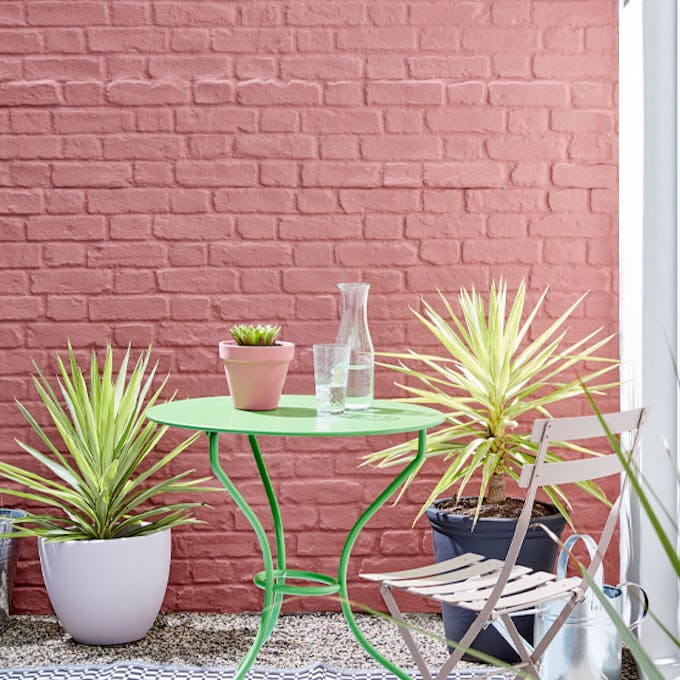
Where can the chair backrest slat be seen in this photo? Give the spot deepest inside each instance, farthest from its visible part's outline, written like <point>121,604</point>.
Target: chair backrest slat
<point>571,471</point>
<point>585,427</point>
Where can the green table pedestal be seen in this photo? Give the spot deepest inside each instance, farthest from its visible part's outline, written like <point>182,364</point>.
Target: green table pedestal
<point>296,416</point>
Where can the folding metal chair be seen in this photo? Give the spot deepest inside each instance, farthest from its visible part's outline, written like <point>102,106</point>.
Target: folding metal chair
<point>498,590</point>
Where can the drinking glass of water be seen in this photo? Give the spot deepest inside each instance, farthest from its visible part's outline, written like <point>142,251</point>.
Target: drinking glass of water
<point>331,367</point>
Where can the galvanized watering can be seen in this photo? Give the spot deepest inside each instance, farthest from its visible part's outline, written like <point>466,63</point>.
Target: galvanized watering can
<point>588,646</point>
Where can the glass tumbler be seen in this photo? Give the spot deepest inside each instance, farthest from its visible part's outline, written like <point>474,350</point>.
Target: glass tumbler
<point>331,367</point>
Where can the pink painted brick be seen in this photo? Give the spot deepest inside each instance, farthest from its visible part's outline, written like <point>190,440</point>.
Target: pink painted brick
<point>130,227</point>
<point>529,147</point>
<point>28,93</point>
<point>126,307</point>
<point>190,200</point>
<point>193,227</point>
<point>33,121</point>
<point>261,14</point>
<point>443,200</point>
<point>531,174</point>
<point>327,67</point>
<point>472,92</point>
<point>279,120</point>
<point>279,173</point>
<point>114,201</point>
<point>66,41</point>
<point>574,13</point>
<point>213,91</point>
<point>91,175</point>
<point>189,66</point>
<point>386,67</point>
<point>378,200</point>
<point>401,147</point>
<point>600,122</point>
<point>12,14</point>
<point>511,251</point>
<point>276,146</point>
<point>317,201</point>
<point>465,119</point>
<point>506,200</point>
<point>405,92</point>
<point>20,201</point>
<point>63,68</point>
<point>216,173</point>
<point>266,93</point>
<point>148,146</point>
<point>330,121</point>
<point>438,13</point>
<point>587,176</point>
<point>253,40</point>
<point>34,146</point>
<point>387,255</point>
<point>340,174</point>
<point>65,282</point>
<point>402,175</point>
<point>148,92</point>
<point>190,40</point>
<point>153,173</point>
<point>84,120</point>
<point>344,94</point>
<point>480,174</point>
<point>82,147</point>
<point>126,39</point>
<point>537,93</point>
<point>216,120</point>
<point>505,40</point>
<point>14,41</point>
<point>330,228</point>
<point>326,14</point>
<point>404,120</point>
<point>204,14</point>
<point>393,38</point>
<point>124,13</point>
<point>444,227</point>
<point>255,200</point>
<point>250,255</point>
<point>584,225</point>
<point>449,67</point>
<point>71,13</point>
<point>82,93</point>
<point>254,67</point>
<point>388,13</point>
<point>595,67</point>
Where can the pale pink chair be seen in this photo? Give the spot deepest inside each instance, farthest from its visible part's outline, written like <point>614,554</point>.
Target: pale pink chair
<point>498,590</point>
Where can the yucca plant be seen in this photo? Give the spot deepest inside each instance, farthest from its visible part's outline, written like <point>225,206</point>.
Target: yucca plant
<point>491,376</point>
<point>101,481</point>
<point>259,335</point>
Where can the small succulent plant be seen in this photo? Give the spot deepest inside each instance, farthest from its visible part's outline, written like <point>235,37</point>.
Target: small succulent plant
<point>255,335</point>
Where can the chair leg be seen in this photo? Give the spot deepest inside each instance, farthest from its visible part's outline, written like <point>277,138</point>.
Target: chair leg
<point>463,644</point>
<point>520,645</point>
<point>394,610</point>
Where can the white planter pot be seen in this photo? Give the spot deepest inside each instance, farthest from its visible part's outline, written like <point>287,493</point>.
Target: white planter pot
<point>107,592</point>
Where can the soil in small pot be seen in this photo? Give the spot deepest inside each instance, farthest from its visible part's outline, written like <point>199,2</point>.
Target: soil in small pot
<point>509,508</point>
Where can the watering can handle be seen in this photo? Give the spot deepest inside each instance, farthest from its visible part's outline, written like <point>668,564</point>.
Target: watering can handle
<point>645,602</point>
<point>563,559</point>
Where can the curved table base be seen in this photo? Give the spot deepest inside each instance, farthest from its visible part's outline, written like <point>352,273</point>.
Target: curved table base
<point>273,580</point>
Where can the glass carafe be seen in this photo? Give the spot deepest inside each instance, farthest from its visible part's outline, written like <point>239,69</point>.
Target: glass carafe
<point>354,332</point>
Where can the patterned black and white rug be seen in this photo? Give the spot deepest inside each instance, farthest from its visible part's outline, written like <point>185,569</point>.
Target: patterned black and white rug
<point>141,671</point>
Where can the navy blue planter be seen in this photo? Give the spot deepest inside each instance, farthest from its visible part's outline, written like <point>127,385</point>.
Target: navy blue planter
<point>452,535</point>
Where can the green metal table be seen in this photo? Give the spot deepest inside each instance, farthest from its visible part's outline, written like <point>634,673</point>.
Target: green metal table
<point>296,416</point>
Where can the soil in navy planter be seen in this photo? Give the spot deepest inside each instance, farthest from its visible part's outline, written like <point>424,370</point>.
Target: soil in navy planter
<point>510,507</point>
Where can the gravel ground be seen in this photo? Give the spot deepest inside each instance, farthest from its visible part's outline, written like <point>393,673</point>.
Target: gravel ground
<point>222,639</point>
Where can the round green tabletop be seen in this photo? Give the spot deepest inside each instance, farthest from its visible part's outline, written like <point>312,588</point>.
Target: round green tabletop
<point>295,416</point>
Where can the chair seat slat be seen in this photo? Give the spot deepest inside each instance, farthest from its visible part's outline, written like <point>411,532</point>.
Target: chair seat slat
<point>481,582</point>
<point>479,569</point>
<point>428,570</point>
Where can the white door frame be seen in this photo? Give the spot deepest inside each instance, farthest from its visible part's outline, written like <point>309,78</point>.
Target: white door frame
<point>648,294</point>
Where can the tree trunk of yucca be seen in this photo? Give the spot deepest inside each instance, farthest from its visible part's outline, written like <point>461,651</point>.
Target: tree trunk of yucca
<point>496,490</point>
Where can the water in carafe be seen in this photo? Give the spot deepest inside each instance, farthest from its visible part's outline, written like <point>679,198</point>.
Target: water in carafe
<point>354,332</point>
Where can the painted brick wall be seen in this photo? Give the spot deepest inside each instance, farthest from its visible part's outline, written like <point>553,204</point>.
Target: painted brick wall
<point>168,168</point>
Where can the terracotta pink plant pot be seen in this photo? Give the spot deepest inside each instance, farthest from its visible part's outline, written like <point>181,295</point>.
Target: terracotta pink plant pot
<point>255,375</point>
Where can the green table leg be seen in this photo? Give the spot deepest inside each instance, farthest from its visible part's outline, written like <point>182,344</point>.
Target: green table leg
<point>347,548</point>
<point>272,601</point>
